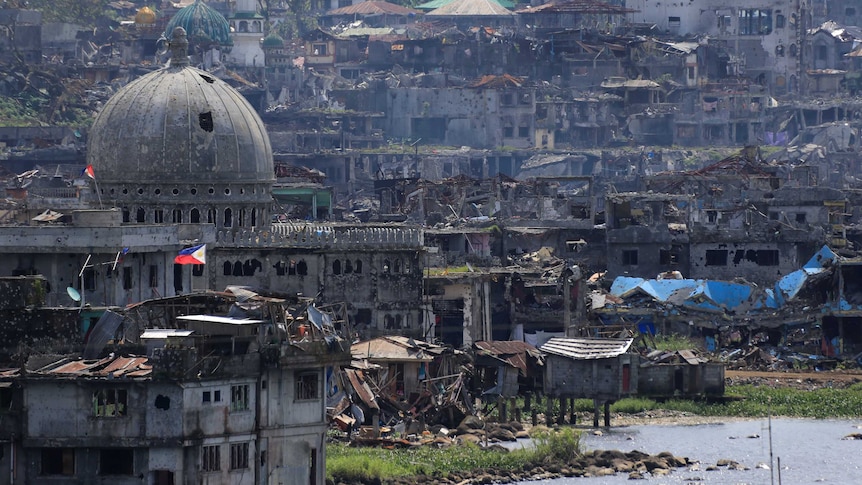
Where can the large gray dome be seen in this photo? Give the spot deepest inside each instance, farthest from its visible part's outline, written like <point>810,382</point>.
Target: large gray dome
<point>177,136</point>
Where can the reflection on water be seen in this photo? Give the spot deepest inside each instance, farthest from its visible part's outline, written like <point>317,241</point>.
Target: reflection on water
<point>811,451</point>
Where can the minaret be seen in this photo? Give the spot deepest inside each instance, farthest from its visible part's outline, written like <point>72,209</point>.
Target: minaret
<point>246,26</point>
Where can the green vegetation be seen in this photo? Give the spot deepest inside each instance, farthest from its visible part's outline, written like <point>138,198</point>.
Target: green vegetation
<point>753,401</point>
<point>672,342</point>
<point>349,464</point>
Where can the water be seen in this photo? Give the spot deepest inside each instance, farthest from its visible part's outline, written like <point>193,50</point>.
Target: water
<point>811,451</point>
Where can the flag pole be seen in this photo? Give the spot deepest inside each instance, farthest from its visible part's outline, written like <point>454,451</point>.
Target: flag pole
<point>98,193</point>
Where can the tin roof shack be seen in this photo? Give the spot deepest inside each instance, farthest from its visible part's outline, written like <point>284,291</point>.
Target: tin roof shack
<point>408,367</point>
<point>507,368</point>
<point>603,370</point>
<point>679,373</point>
<point>647,233</point>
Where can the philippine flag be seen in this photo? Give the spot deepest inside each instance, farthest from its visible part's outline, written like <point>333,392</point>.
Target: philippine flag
<point>192,255</point>
<point>89,172</point>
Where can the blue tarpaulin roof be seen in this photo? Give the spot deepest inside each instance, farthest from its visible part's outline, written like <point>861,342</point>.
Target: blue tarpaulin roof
<point>721,296</point>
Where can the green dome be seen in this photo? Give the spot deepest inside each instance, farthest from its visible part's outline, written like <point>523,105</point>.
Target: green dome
<point>201,22</point>
<point>273,40</point>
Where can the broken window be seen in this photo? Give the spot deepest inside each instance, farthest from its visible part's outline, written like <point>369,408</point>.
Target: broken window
<point>630,257</point>
<point>716,257</point>
<point>58,461</point>
<point>110,403</point>
<point>238,456</point>
<point>319,49</point>
<point>724,22</point>
<point>711,217</point>
<point>211,458</point>
<point>669,256</point>
<point>800,217</point>
<point>127,278</point>
<point>154,276</point>
<point>307,385</point>
<point>178,278</point>
<point>141,215</point>
<point>89,279</point>
<point>197,270</point>
<point>302,268</point>
<point>767,257</point>
<point>755,21</point>
<point>239,398</point>
<point>116,461</point>
<point>673,22</point>
<point>228,217</point>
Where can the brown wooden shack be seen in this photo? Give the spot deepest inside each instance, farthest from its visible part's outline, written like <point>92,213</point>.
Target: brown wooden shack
<point>603,370</point>
<point>679,374</point>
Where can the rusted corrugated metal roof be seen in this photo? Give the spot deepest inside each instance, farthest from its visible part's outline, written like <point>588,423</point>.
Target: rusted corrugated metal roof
<point>109,366</point>
<point>586,348</point>
<point>512,352</point>
<point>361,388</point>
<point>396,348</point>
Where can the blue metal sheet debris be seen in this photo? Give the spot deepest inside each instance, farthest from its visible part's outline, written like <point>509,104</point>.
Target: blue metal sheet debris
<point>724,296</point>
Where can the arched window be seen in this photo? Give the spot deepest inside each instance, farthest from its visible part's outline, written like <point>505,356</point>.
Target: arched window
<point>211,216</point>
<point>241,219</point>
<point>177,216</point>
<point>228,217</point>
<point>398,321</point>
<point>348,267</point>
<point>388,322</point>
<point>228,268</point>
<point>195,216</point>
<point>141,215</point>
<point>406,268</point>
<point>386,266</point>
<point>336,267</point>
<point>302,268</point>
<point>243,26</point>
<point>237,269</point>
<point>357,268</point>
<point>397,268</point>
<point>254,218</point>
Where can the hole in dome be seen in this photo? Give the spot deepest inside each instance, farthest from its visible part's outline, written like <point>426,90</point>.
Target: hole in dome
<point>207,78</point>
<point>206,121</point>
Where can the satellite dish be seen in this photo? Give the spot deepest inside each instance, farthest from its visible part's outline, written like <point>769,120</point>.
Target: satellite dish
<point>73,293</point>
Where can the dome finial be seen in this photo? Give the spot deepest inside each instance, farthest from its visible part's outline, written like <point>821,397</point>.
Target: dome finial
<point>179,44</point>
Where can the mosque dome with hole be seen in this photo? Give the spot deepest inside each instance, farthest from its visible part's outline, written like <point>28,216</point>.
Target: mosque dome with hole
<point>179,145</point>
